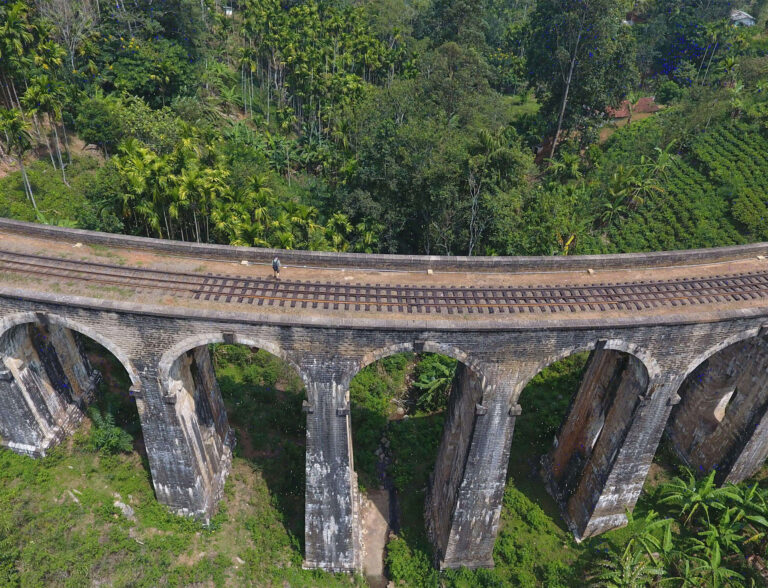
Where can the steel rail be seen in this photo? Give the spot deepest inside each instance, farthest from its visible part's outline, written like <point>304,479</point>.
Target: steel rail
<point>631,295</point>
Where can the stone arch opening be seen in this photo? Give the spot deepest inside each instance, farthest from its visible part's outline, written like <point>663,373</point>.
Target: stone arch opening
<point>719,422</point>
<point>413,408</point>
<point>574,416</point>
<point>239,403</point>
<point>52,370</point>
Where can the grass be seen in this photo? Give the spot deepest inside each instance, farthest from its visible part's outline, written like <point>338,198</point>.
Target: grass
<point>104,251</point>
<point>56,201</point>
<point>59,525</point>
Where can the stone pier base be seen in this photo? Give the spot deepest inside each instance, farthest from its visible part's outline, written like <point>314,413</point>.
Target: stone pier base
<point>202,420</point>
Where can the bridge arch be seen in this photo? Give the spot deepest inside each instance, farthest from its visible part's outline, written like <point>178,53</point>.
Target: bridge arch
<point>597,415</point>
<point>14,320</point>
<point>714,349</point>
<point>419,347</point>
<point>641,354</point>
<point>190,343</point>
<point>47,378</point>
<point>720,420</point>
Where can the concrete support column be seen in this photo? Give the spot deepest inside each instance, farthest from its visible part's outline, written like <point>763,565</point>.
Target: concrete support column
<point>186,434</point>
<point>463,505</point>
<point>606,445</point>
<point>721,422</point>
<point>45,382</point>
<point>331,527</point>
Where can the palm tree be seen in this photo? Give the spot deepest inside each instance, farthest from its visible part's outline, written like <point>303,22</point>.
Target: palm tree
<point>694,496</point>
<point>629,569</point>
<point>15,34</point>
<point>337,231</point>
<point>143,173</point>
<point>612,209</point>
<point>653,534</point>
<point>17,141</point>
<point>711,570</point>
<point>434,383</point>
<point>46,95</point>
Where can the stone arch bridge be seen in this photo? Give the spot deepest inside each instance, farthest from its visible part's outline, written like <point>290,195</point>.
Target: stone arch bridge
<point>677,341</point>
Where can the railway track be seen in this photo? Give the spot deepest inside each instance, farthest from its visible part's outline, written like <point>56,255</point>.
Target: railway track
<point>626,296</point>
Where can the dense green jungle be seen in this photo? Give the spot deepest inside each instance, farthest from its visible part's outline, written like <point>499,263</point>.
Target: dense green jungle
<point>443,127</point>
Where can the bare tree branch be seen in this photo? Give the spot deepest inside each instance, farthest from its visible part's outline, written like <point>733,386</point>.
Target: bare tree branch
<point>72,19</point>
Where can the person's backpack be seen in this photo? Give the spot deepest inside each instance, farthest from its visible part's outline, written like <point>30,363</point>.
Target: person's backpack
<point>276,264</point>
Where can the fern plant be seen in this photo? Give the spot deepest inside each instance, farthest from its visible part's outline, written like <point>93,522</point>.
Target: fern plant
<point>106,436</point>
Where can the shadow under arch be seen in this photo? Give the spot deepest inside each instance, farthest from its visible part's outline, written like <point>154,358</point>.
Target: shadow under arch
<point>719,422</point>
<point>711,351</point>
<point>57,369</point>
<point>15,320</point>
<point>652,367</point>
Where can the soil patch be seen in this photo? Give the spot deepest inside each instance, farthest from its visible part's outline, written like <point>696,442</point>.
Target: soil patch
<point>375,515</point>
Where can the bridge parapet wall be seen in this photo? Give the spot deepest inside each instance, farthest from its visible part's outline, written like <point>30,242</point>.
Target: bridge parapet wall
<point>325,259</point>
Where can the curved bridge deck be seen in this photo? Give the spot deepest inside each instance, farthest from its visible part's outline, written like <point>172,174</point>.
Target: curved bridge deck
<point>672,336</point>
<point>675,285</point>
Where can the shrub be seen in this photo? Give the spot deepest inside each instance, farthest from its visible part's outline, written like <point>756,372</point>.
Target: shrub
<point>409,566</point>
<point>669,92</point>
<point>106,436</point>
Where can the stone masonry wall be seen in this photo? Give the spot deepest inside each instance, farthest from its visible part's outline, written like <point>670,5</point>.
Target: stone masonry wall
<point>203,418</point>
<point>584,510</point>
<point>723,402</point>
<point>593,431</point>
<point>45,382</point>
<point>467,392</point>
<point>327,357</point>
<point>389,262</point>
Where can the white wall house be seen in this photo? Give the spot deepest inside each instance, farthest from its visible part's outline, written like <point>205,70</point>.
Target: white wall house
<point>740,18</point>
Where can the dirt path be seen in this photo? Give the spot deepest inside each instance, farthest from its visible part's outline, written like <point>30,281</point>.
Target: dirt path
<point>375,517</point>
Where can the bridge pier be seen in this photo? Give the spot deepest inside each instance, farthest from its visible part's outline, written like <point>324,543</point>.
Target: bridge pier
<point>463,505</point>
<point>606,444</point>
<point>721,422</point>
<point>186,434</point>
<point>332,511</point>
<point>45,382</point>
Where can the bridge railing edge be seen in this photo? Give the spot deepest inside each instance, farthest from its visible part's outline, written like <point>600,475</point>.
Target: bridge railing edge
<point>387,262</point>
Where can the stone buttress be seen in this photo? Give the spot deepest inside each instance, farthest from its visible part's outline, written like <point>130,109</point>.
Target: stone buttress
<point>187,435</point>
<point>594,471</point>
<point>46,381</point>
<point>332,509</point>
<point>463,504</point>
<point>721,421</point>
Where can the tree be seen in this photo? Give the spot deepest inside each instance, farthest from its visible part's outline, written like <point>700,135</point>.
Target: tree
<point>73,21</point>
<point>16,33</point>
<point>46,95</point>
<point>630,568</point>
<point>582,57</point>
<point>14,133</point>
<point>434,376</point>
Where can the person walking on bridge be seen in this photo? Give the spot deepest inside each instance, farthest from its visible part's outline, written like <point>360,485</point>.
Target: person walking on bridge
<point>276,267</point>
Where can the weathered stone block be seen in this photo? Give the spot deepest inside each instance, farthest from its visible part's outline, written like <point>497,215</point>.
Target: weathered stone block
<point>45,382</point>
<point>721,421</point>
